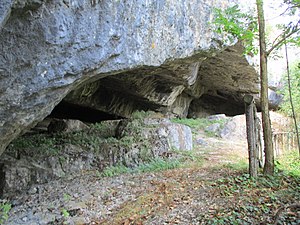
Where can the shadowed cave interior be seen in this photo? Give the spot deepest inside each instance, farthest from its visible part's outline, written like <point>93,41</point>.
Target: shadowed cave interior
<point>65,110</point>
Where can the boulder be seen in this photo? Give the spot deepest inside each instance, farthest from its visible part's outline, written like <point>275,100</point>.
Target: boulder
<point>214,128</point>
<point>66,126</point>
<point>235,129</point>
<point>275,99</point>
<point>217,117</point>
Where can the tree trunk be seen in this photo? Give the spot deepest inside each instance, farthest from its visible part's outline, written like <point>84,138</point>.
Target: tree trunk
<point>251,135</point>
<point>291,98</point>
<point>266,123</point>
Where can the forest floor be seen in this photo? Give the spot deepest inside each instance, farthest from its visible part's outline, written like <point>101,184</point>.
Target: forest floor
<point>210,186</point>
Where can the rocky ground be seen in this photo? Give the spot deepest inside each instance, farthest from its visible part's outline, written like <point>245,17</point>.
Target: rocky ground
<point>207,189</point>
<point>175,196</point>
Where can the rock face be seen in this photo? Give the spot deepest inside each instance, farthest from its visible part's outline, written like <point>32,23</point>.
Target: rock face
<point>39,158</point>
<point>112,57</point>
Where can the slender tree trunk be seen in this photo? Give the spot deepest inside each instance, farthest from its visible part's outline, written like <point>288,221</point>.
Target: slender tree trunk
<point>258,139</point>
<point>266,123</point>
<point>291,98</point>
<point>250,111</point>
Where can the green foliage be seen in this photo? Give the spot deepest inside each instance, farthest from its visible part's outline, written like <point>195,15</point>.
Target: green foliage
<point>159,164</point>
<point>154,165</point>
<point>115,170</point>
<point>4,210</point>
<point>239,164</point>
<point>237,25</point>
<point>232,23</point>
<point>65,213</point>
<point>295,90</point>
<point>289,163</point>
<point>51,144</point>
<point>67,197</point>
<point>40,141</point>
<point>254,198</point>
<point>200,123</point>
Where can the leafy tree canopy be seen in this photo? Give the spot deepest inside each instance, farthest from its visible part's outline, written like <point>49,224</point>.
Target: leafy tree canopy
<point>235,24</point>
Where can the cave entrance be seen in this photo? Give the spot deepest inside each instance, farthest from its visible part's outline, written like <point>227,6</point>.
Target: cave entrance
<point>211,105</point>
<point>66,110</point>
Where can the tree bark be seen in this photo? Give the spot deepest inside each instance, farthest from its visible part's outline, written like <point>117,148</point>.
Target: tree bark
<point>266,123</point>
<point>250,112</point>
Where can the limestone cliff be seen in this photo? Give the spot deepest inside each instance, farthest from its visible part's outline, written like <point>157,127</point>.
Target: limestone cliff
<point>114,57</point>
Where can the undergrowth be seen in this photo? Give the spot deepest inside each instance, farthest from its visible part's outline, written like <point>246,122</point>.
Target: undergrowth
<point>201,124</point>
<point>247,200</point>
<point>253,201</point>
<point>4,210</point>
<point>289,163</point>
<point>154,165</point>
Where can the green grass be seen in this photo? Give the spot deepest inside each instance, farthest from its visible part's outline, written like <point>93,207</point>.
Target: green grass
<point>289,163</point>
<point>181,159</point>
<point>154,165</point>
<point>112,171</point>
<point>239,165</point>
<point>189,158</point>
<point>200,124</point>
<point>196,124</point>
<point>159,165</point>
<point>4,211</point>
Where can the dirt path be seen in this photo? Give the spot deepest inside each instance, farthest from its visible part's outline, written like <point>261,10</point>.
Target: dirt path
<point>178,196</point>
<point>195,194</point>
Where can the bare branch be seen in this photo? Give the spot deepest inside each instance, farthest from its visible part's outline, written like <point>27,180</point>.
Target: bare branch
<point>282,39</point>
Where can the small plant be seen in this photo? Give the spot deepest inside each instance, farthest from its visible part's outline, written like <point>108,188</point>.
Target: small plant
<point>115,170</point>
<point>158,165</point>
<point>65,213</point>
<point>67,197</point>
<point>4,210</point>
<point>152,166</point>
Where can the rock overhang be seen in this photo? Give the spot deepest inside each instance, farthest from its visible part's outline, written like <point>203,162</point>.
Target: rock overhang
<point>159,52</point>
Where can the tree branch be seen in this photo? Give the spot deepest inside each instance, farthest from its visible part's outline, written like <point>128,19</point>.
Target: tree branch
<point>280,41</point>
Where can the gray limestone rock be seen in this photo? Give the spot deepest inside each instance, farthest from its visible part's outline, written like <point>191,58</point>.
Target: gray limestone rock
<point>142,141</point>
<point>51,49</point>
<point>66,126</point>
<point>217,117</point>
<point>214,128</point>
<point>5,10</point>
<point>234,129</point>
